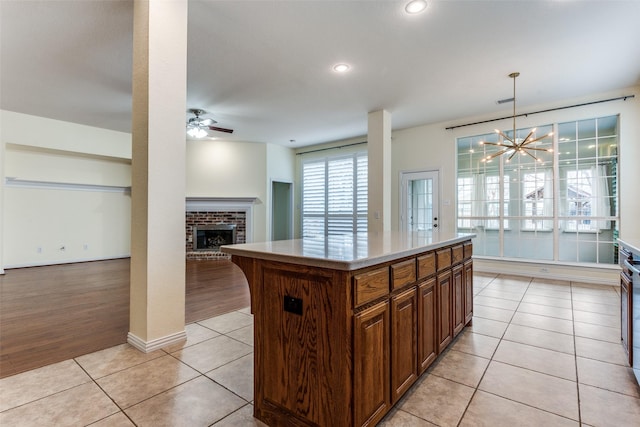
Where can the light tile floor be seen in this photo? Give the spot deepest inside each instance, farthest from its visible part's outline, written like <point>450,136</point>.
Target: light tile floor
<point>539,353</point>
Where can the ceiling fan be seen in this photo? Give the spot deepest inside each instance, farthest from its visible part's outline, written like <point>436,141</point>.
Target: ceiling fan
<point>198,127</point>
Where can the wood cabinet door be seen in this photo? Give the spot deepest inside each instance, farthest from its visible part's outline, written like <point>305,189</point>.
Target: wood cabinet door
<point>427,324</point>
<point>468,291</point>
<point>445,322</point>
<point>371,395</point>
<point>458,303</point>
<point>404,342</point>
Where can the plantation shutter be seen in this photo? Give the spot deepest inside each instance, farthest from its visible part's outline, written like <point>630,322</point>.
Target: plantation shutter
<point>334,195</point>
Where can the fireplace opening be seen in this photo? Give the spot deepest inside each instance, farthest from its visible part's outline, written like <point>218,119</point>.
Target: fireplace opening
<point>211,237</point>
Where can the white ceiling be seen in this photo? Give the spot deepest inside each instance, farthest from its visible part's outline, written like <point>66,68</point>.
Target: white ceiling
<point>263,67</point>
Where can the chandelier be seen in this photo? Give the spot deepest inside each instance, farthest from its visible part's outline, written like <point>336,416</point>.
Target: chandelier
<point>515,145</point>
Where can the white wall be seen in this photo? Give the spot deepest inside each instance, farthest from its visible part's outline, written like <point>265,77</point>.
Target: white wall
<point>70,187</point>
<point>217,168</point>
<point>41,132</point>
<point>67,188</point>
<point>280,167</point>
<point>57,225</point>
<point>230,169</point>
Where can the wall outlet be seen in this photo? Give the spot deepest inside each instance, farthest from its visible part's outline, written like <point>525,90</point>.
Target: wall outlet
<point>85,246</point>
<point>544,270</point>
<point>39,249</point>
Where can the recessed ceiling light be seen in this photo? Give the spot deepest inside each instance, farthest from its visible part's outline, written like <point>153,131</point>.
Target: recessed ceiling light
<point>415,6</point>
<point>341,68</point>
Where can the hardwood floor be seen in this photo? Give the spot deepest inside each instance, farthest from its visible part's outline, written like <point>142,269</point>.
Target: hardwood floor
<point>213,288</point>
<point>53,313</point>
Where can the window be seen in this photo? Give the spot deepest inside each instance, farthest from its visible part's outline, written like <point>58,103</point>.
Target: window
<point>558,205</point>
<point>334,195</point>
<point>492,184</point>
<point>533,187</point>
<point>579,191</point>
<point>465,201</point>
<point>479,201</point>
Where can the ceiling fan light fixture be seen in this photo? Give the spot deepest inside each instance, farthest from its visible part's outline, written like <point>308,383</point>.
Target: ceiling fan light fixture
<point>415,6</point>
<point>198,127</point>
<point>196,132</point>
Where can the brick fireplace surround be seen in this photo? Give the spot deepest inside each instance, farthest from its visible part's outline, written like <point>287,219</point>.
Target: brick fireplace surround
<point>209,211</point>
<point>210,218</point>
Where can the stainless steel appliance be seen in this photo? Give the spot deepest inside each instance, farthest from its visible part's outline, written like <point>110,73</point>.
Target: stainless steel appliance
<point>630,306</point>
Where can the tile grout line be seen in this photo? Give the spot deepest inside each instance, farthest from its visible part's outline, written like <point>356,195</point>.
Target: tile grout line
<point>95,381</point>
<point>476,388</point>
<point>200,374</point>
<point>231,413</point>
<point>501,339</point>
<point>166,353</point>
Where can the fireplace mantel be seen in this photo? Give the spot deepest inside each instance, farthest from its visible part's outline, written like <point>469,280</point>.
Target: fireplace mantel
<point>194,204</point>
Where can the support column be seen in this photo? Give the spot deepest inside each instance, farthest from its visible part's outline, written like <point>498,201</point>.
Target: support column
<point>158,174</point>
<point>379,152</point>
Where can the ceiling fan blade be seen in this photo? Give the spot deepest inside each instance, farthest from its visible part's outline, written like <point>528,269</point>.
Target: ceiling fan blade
<point>221,129</point>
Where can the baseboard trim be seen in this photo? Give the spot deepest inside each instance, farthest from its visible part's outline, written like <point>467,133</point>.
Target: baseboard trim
<point>62,262</point>
<point>606,275</point>
<point>156,344</point>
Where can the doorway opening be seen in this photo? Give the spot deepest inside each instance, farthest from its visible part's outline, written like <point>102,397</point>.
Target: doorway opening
<point>281,210</point>
<point>419,204</point>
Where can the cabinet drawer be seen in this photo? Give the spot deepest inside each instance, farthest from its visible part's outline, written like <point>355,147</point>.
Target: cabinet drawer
<point>426,265</point>
<point>403,273</point>
<point>370,285</point>
<point>457,254</point>
<point>468,250</point>
<point>443,257</point>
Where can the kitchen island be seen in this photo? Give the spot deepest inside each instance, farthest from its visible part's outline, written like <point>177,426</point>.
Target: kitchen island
<point>344,325</point>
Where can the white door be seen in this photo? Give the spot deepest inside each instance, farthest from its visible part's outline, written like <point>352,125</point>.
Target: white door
<point>419,204</point>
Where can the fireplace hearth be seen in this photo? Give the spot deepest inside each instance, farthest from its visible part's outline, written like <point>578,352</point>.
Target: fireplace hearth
<point>211,237</point>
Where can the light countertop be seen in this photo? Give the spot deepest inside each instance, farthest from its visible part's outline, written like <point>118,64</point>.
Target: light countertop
<point>347,252</point>
<point>631,243</point>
